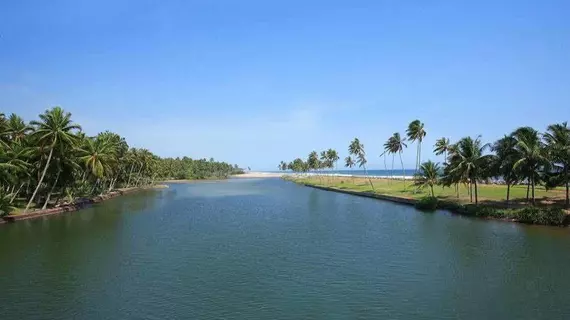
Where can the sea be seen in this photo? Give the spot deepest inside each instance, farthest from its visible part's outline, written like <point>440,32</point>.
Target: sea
<point>375,173</point>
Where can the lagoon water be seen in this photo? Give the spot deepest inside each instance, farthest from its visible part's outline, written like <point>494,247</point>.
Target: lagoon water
<point>270,249</point>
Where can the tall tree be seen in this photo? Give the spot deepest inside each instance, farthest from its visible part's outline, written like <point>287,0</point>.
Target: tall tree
<point>349,163</point>
<point>442,147</point>
<point>54,130</point>
<point>532,155</point>
<point>504,161</point>
<point>416,132</point>
<point>468,160</point>
<point>357,149</point>
<point>557,138</point>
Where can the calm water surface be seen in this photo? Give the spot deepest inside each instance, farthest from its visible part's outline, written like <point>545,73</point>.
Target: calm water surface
<point>269,249</point>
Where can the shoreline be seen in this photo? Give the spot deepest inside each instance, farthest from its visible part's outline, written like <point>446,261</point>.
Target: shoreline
<point>453,208</point>
<point>75,206</point>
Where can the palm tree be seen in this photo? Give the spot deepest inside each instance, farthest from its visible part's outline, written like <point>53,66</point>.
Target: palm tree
<point>442,147</point>
<point>416,132</point>
<point>98,155</point>
<point>313,162</point>
<point>332,157</point>
<point>349,163</point>
<point>428,176</point>
<point>17,129</point>
<point>557,139</point>
<point>55,130</point>
<point>531,155</point>
<point>5,203</point>
<point>468,160</point>
<point>397,145</point>
<point>504,161</point>
<point>357,149</point>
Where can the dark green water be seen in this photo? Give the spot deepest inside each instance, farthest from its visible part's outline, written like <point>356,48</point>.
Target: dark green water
<point>268,249</point>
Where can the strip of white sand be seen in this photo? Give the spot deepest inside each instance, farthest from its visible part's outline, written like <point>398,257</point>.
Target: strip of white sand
<point>258,175</point>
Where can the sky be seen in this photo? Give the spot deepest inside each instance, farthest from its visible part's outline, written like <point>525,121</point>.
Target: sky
<point>254,82</point>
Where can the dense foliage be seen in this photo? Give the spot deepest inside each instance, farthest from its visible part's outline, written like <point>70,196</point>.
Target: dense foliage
<point>51,160</point>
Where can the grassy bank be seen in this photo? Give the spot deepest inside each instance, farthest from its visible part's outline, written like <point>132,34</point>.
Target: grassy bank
<point>492,198</point>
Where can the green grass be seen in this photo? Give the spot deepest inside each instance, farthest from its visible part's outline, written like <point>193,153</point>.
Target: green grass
<point>488,194</point>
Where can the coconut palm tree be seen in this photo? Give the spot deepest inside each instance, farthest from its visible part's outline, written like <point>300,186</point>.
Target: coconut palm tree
<point>416,132</point>
<point>332,157</point>
<point>54,130</point>
<point>17,129</point>
<point>357,149</point>
<point>557,138</point>
<point>504,161</point>
<point>397,146</point>
<point>468,160</point>
<point>442,147</point>
<point>5,203</point>
<point>427,176</point>
<point>349,163</point>
<point>532,155</point>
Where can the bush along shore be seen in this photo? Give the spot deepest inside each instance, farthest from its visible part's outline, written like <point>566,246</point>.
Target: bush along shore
<point>524,176</point>
<point>52,164</point>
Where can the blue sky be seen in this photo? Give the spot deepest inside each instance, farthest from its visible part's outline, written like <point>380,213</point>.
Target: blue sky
<point>256,82</point>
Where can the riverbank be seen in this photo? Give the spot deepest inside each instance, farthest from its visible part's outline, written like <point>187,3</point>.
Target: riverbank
<point>404,193</point>
<point>77,205</point>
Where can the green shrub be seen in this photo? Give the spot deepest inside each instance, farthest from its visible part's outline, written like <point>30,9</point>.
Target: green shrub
<point>427,204</point>
<point>548,216</point>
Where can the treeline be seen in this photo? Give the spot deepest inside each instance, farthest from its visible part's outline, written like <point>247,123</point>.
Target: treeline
<point>187,168</point>
<point>51,160</point>
<point>524,156</point>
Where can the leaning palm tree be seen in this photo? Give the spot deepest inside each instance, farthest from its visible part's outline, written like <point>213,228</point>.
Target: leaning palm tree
<point>416,132</point>
<point>357,149</point>
<point>442,147</point>
<point>469,161</point>
<point>54,130</point>
<point>557,138</point>
<point>427,176</point>
<point>532,155</point>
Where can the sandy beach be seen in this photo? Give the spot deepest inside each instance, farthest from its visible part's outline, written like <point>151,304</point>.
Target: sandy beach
<point>258,175</point>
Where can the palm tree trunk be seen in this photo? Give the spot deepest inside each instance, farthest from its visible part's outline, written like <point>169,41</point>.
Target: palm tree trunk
<point>369,180</point>
<point>457,190</point>
<point>130,172</point>
<point>392,172</point>
<point>432,193</point>
<point>403,170</point>
<point>527,189</point>
<point>508,192</point>
<point>567,188</point>
<point>51,190</point>
<point>470,191</point>
<point>41,178</point>
<point>533,199</point>
<point>16,193</point>
<point>476,196</point>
